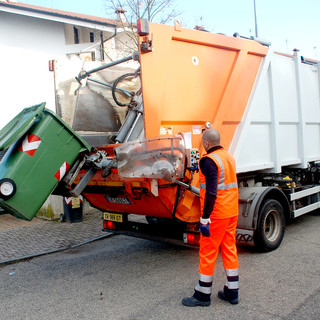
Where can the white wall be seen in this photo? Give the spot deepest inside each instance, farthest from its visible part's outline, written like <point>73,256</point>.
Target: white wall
<point>26,46</point>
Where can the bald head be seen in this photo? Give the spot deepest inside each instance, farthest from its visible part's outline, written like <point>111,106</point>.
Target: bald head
<point>210,138</point>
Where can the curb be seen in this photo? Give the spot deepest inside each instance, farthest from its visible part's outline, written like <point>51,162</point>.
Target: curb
<point>17,259</point>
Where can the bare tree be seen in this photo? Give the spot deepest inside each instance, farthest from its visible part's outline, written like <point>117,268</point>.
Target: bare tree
<point>161,11</point>
<point>129,11</point>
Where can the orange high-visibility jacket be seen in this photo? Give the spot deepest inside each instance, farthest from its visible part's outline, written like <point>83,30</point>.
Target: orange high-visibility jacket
<point>226,205</point>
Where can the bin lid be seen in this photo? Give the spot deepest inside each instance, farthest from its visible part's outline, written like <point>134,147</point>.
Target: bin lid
<point>19,125</point>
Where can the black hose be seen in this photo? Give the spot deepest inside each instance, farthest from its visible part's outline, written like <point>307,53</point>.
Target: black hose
<point>114,88</point>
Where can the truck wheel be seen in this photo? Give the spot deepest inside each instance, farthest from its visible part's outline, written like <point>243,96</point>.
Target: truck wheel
<point>271,226</point>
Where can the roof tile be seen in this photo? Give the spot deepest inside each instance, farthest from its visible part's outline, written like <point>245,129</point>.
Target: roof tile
<point>61,13</point>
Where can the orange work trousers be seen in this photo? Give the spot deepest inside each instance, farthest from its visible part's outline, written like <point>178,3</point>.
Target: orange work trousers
<point>222,236</point>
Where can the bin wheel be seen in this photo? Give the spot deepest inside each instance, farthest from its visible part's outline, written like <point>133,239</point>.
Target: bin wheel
<point>7,188</point>
<point>62,218</point>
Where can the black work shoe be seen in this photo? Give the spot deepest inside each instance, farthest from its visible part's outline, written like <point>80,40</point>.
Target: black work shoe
<point>229,298</point>
<point>193,302</point>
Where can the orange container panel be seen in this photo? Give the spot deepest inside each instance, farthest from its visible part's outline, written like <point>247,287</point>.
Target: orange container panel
<point>147,204</point>
<point>130,195</point>
<point>192,77</point>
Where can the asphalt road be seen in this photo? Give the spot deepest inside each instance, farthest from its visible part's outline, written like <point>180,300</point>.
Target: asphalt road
<point>132,279</point>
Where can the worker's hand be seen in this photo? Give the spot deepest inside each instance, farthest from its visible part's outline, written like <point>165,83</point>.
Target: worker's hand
<point>205,227</point>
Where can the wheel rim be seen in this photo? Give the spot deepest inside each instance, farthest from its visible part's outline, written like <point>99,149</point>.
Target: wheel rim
<point>272,225</point>
<point>7,188</point>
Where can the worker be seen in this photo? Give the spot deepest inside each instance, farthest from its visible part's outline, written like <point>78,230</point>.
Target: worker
<point>219,207</point>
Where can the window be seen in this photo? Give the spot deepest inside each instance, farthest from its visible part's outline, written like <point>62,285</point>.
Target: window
<point>76,35</point>
<point>91,37</point>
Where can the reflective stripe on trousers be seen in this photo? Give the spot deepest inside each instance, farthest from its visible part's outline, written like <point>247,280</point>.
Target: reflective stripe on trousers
<point>232,278</point>
<point>205,284</point>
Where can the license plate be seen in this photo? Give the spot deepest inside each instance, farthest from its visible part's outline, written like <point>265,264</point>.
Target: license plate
<point>119,200</point>
<point>112,217</point>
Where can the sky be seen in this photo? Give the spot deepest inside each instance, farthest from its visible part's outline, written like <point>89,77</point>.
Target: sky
<point>287,24</point>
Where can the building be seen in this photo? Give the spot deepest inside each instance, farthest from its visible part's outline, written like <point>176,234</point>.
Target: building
<point>31,36</point>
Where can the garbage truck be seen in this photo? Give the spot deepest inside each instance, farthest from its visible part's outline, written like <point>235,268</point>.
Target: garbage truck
<point>139,164</point>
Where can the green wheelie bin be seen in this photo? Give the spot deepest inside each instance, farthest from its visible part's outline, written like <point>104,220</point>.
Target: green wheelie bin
<point>41,150</point>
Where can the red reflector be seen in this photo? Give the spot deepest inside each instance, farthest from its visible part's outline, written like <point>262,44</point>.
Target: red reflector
<point>51,65</point>
<point>191,238</point>
<point>109,225</point>
<point>142,27</point>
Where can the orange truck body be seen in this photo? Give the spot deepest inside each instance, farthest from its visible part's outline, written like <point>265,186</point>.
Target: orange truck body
<point>189,78</point>
<point>266,107</point>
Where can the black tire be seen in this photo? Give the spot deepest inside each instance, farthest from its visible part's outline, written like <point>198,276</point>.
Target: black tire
<point>271,226</point>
